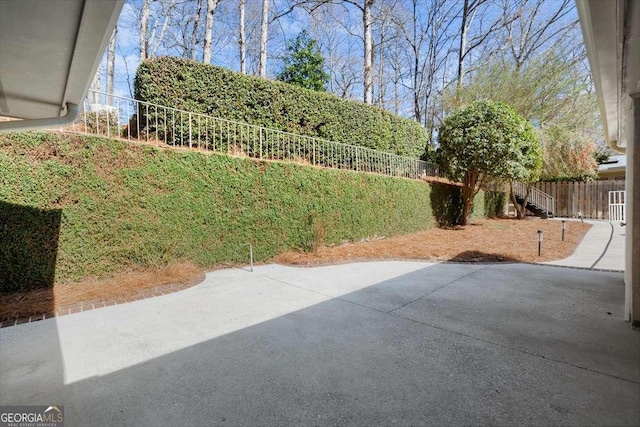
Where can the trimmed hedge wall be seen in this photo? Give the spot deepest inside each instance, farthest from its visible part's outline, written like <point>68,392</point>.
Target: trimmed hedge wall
<point>104,206</point>
<point>201,88</point>
<point>448,202</point>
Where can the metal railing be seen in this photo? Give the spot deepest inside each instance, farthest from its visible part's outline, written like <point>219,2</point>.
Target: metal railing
<point>541,200</point>
<point>119,117</point>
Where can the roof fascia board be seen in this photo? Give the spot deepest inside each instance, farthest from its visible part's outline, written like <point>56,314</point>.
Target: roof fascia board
<point>93,31</point>
<point>599,23</point>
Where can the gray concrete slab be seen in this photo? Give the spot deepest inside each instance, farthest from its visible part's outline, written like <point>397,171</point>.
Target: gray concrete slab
<point>603,247</point>
<point>571,316</point>
<point>372,343</point>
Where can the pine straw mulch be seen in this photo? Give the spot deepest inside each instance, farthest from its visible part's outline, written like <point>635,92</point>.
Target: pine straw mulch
<point>126,286</point>
<point>492,240</point>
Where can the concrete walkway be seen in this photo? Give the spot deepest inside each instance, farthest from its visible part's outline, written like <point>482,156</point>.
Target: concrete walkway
<point>603,247</point>
<point>380,343</point>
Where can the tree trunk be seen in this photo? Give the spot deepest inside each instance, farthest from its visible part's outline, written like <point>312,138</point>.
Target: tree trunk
<point>368,52</point>
<point>461,50</point>
<point>381,93</point>
<point>520,208</point>
<point>208,32</point>
<point>144,27</point>
<point>469,190</point>
<point>416,90</point>
<point>242,39</point>
<point>264,33</point>
<point>396,91</point>
<point>467,197</point>
<point>111,60</point>
<point>194,32</point>
<point>95,85</point>
<point>416,63</point>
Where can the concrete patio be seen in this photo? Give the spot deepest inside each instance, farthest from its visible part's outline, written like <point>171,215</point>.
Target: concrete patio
<point>362,344</point>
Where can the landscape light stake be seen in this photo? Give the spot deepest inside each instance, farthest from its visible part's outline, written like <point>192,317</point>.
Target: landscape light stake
<point>564,226</point>
<point>250,255</point>
<point>539,242</point>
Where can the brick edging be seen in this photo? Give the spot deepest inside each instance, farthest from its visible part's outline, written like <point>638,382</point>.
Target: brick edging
<point>96,303</point>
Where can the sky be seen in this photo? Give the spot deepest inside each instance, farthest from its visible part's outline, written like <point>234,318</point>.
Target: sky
<point>225,49</point>
<point>339,37</point>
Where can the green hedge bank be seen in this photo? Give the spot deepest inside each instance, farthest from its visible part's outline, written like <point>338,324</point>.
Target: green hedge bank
<point>201,88</point>
<point>77,206</point>
<point>103,205</point>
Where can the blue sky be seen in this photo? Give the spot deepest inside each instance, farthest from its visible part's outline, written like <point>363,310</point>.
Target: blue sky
<point>339,38</point>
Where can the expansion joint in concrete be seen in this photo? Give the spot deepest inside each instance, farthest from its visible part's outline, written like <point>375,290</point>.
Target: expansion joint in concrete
<point>436,290</point>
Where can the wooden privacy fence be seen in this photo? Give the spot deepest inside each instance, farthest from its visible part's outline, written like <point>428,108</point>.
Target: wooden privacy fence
<point>589,198</point>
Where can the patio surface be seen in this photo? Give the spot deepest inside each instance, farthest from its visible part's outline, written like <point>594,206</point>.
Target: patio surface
<point>379,343</point>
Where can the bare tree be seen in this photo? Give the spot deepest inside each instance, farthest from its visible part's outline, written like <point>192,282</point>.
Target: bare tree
<point>340,50</point>
<point>144,28</point>
<point>264,34</point>
<point>410,56</point>
<point>541,26</point>
<point>368,50</point>
<point>153,26</point>
<point>211,10</point>
<point>468,41</point>
<point>385,34</point>
<point>242,38</point>
<point>439,22</point>
<point>424,46</point>
<point>194,30</point>
<point>111,60</point>
<point>95,86</point>
<point>365,7</point>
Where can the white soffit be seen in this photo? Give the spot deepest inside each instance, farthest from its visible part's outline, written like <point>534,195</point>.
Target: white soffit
<point>611,31</point>
<point>599,20</point>
<point>49,53</point>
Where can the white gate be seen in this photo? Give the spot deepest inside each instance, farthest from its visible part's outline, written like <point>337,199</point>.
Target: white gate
<point>616,205</point>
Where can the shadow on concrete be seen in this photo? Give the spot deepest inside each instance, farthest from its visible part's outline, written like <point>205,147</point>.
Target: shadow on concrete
<point>478,256</point>
<point>441,345</point>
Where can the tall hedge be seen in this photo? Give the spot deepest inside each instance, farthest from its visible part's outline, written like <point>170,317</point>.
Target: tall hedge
<point>92,206</point>
<point>197,87</point>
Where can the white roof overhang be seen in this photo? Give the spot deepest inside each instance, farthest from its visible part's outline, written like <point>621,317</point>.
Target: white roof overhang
<point>611,32</point>
<point>49,53</point>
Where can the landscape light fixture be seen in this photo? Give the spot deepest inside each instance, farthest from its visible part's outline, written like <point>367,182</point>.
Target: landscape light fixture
<point>564,227</point>
<point>540,242</point>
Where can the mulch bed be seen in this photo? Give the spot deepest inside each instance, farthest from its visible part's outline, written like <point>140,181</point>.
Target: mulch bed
<point>491,240</point>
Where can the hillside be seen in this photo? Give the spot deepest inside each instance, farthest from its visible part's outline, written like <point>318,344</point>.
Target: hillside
<point>76,206</point>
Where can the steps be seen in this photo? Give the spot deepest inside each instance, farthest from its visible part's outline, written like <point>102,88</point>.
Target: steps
<point>539,203</point>
<point>539,211</point>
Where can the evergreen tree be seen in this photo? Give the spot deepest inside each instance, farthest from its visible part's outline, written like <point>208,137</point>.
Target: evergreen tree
<point>487,141</point>
<point>304,64</point>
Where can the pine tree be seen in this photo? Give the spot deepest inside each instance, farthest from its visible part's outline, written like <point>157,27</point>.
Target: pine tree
<point>304,64</point>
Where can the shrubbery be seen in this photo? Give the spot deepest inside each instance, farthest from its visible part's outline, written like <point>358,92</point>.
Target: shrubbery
<point>447,204</point>
<point>94,206</point>
<point>488,140</point>
<point>201,88</point>
<point>105,122</point>
<point>77,206</point>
